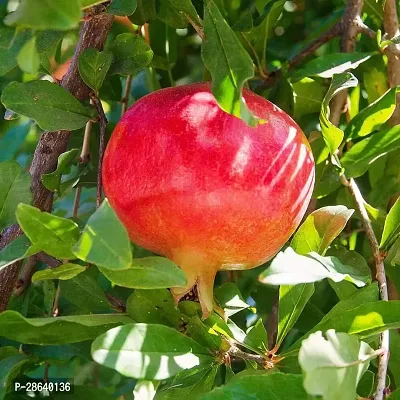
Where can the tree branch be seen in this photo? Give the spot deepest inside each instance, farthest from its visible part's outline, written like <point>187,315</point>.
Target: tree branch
<point>52,144</point>
<point>103,126</point>
<point>391,24</point>
<point>125,97</point>
<point>234,351</point>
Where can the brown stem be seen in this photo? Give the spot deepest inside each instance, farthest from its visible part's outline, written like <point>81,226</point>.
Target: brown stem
<point>52,144</point>
<point>197,27</point>
<point>334,31</point>
<point>125,97</point>
<point>391,24</point>
<point>236,352</point>
<point>380,277</point>
<point>48,260</point>
<point>25,279</point>
<point>103,126</point>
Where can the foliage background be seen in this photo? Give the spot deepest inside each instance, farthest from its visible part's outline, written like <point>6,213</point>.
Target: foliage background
<point>290,52</point>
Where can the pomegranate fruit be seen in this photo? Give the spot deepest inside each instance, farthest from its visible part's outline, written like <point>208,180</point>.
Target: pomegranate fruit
<point>199,186</point>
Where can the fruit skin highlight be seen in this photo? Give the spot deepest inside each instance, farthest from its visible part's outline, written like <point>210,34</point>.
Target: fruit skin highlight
<point>199,186</point>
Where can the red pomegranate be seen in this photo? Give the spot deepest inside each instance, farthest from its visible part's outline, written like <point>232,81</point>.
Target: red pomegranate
<point>199,186</point>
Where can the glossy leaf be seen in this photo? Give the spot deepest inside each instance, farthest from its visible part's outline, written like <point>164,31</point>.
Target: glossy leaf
<point>84,292</point>
<point>52,181</point>
<point>261,385</point>
<point>63,272</point>
<point>228,62</point>
<point>18,249</point>
<point>357,160</point>
<point>28,58</point>
<point>393,256</point>
<point>147,351</point>
<point>256,337</point>
<point>94,65</point>
<point>189,384</point>
<point>175,13</point>
<point>204,334</point>
<point>292,300</point>
<point>391,230</point>
<point>14,188</point>
<point>145,12</point>
<point>332,134</point>
<point>46,14</point>
<point>320,228</point>
<point>372,117</point>
<point>308,95</point>
<point>230,299</point>
<point>52,234</point>
<point>131,54</point>
<point>57,330</point>
<point>105,241</point>
<point>50,105</point>
<point>8,59</point>
<point>316,233</point>
<point>290,268</point>
<point>333,366</point>
<point>153,307</point>
<point>328,65</point>
<point>147,273</point>
<point>10,368</point>
<point>122,7</point>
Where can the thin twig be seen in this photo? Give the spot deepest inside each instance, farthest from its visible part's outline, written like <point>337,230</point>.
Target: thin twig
<point>48,260</point>
<point>391,24</point>
<point>56,300</point>
<point>26,275</point>
<point>103,126</point>
<point>234,351</point>
<point>125,97</point>
<point>84,158</point>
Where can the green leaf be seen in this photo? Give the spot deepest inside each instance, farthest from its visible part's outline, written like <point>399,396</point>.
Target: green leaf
<point>329,64</point>
<point>393,256</point>
<point>290,268</point>
<point>260,386</point>
<point>84,292</point>
<point>366,295</point>
<point>145,12</point>
<point>391,230</point>
<point>93,66</point>
<point>57,330</point>
<point>366,384</point>
<point>372,117</point>
<point>122,7</point>
<point>8,59</point>
<point>174,12</point>
<point>52,181</point>
<point>14,188</point>
<point>308,95</point>
<point>366,320</point>
<point>50,105</point>
<point>292,300</point>
<point>262,33</point>
<point>332,367</point>
<point>46,14</point>
<point>147,273</point>
<point>131,54</point>
<point>230,299</point>
<point>357,160</point>
<point>28,58</point>
<point>333,136</point>
<point>10,368</point>
<point>204,334</point>
<point>63,272</point>
<point>105,241</point>
<point>316,233</point>
<point>394,395</point>
<point>153,307</point>
<point>256,337</point>
<point>189,384</point>
<point>52,234</point>
<point>147,351</point>
<point>18,249</point>
<point>228,62</point>
<point>320,228</point>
